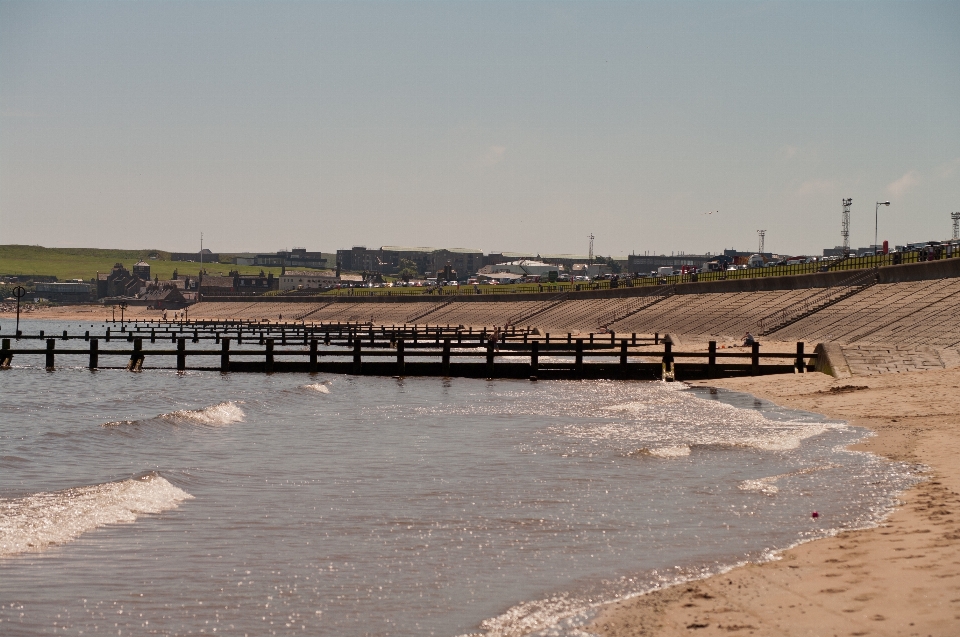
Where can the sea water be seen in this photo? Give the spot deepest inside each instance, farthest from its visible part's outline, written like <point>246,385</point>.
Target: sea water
<point>250,504</point>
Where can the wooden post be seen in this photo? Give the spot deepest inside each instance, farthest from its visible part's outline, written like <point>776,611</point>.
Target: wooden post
<point>51,343</point>
<point>800,363</point>
<point>755,359</point>
<point>446,357</point>
<point>400,364</point>
<point>578,361</point>
<point>313,356</point>
<point>268,363</point>
<point>712,360</point>
<point>634,338</point>
<point>591,338</point>
<point>613,339</point>
<point>534,358</point>
<point>623,354</point>
<point>86,335</point>
<point>656,339</point>
<point>668,356</point>
<point>225,354</point>
<point>356,355</point>
<point>181,354</point>
<point>108,334</point>
<point>490,345</point>
<point>94,353</point>
<point>135,364</point>
<point>5,356</point>
<point>153,336</point>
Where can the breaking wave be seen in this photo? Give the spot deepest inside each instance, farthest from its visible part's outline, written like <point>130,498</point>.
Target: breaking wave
<point>37,521</point>
<point>669,423</point>
<point>224,413</point>
<point>318,387</point>
<point>768,484</point>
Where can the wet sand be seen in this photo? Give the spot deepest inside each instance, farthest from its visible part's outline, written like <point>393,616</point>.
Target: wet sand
<point>902,578</point>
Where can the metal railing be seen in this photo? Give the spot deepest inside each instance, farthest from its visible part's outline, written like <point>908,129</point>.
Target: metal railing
<point>627,281</point>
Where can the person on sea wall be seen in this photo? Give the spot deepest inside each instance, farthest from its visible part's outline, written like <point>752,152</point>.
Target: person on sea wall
<point>748,340</point>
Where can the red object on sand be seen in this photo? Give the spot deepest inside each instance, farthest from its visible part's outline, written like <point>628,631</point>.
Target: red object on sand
<point>814,515</point>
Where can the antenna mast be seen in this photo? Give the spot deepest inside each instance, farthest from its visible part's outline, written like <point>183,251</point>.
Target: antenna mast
<point>762,233</point>
<point>845,227</point>
<point>590,257</point>
<point>956,224</point>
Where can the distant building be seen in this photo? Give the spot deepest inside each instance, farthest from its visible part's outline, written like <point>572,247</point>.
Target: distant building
<point>118,282</point>
<point>65,292</point>
<point>359,259</point>
<point>211,285</point>
<point>296,258</point>
<point>251,284</point>
<point>495,258</point>
<point>524,267</point>
<point>204,255</point>
<point>142,269</point>
<point>387,259</point>
<point>308,280</point>
<point>161,296</point>
<point>645,263</point>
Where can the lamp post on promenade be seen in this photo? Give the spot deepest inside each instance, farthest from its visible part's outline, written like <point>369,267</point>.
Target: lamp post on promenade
<point>876,219</point>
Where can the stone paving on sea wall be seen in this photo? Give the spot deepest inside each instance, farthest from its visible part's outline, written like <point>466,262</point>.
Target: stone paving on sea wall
<point>869,360</point>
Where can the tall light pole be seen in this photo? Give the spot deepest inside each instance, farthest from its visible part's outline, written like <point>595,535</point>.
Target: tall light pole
<point>956,224</point>
<point>876,219</point>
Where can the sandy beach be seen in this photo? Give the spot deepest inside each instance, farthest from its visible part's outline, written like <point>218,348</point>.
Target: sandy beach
<point>902,578</point>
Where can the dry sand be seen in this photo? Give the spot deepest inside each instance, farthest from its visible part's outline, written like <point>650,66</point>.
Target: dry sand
<point>902,578</point>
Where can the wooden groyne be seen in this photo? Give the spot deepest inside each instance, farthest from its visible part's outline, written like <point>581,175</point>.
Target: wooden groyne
<point>401,351</point>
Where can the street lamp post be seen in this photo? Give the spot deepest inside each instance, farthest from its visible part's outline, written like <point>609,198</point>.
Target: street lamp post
<point>876,219</point>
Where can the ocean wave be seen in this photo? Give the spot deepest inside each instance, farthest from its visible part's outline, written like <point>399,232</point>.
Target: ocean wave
<point>224,413</point>
<point>318,387</point>
<point>38,521</point>
<point>768,485</point>
<point>670,419</point>
<point>675,451</point>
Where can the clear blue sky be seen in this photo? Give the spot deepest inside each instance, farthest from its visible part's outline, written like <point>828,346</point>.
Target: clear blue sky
<point>493,125</point>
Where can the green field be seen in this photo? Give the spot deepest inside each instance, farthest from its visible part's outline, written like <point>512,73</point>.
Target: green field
<point>84,263</point>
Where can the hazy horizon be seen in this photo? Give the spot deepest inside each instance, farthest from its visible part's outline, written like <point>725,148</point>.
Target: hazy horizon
<point>500,126</point>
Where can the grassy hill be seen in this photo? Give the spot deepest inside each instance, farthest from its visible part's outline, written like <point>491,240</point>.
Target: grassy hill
<point>84,263</point>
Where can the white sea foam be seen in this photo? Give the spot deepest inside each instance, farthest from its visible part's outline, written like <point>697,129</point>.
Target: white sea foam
<point>220,414</point>
<point>318,387</point>
<point>223,413</point>
<point>768,484</point>
<point>669,422</point>
<point>40,520</point>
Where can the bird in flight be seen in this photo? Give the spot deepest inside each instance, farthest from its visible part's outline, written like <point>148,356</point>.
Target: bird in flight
<point>711,212</point>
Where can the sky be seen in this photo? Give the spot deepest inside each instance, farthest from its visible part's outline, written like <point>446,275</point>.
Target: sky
<point>501,126</point>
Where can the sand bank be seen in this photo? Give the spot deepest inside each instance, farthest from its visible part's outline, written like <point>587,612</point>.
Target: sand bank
<point>902,578</point>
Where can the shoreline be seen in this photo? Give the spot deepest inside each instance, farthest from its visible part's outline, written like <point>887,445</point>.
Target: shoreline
<point>901,577</point>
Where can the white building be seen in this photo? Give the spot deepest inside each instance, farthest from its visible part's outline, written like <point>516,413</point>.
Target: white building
<point>308,279</point>
<point>525,267</point>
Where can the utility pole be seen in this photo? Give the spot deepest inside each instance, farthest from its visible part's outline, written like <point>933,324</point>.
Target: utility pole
<point>845,228</point>
<point>762,234</point>
<point>201,251</point>
<point>590,256</point>
<point>956,225</point>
